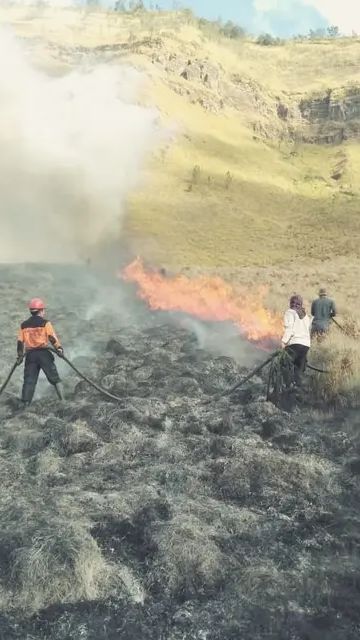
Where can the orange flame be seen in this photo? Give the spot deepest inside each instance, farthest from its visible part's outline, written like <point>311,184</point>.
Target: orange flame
<point>207,298</point>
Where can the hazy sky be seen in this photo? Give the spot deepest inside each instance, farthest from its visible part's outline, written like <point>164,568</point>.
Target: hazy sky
<point>281,17</point>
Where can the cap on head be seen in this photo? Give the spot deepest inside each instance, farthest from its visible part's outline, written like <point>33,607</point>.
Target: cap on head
<point>36,304</point>
<point>322,292</point>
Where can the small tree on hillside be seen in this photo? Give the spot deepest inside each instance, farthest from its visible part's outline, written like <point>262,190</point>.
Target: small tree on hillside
<point>120,6</point>
<point>267,40</point>
<point>333,31</point>
<point>232,30</point>
<point>136,5</point>
<point>188,15</point>
<point>195,174</point>
<point>228,180</point>
<point>316,34</point>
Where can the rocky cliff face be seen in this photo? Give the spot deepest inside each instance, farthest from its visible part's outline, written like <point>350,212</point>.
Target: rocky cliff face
<point>327,118</point>
<point>330,117</point>
<point>333,116</point>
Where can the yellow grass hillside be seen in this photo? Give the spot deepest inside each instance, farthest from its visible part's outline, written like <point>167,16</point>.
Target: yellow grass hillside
<point>232,187</point>
<point>236,183</point>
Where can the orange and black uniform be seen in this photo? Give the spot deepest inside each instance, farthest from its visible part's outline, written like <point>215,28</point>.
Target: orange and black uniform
<point>34,337</point>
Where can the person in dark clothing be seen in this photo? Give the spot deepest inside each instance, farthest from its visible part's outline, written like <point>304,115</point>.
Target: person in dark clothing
<point>322,310</point>
<point>34,337</point>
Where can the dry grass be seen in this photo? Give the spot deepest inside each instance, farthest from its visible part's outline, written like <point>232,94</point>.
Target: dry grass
<point>263,578</point>
<point>164,517</point>
<point>71,437</point>
<point>189,561</point>
<point>72,558</point>
<point>51,556</point>
<point>274,476</point>
<point>340,356</point>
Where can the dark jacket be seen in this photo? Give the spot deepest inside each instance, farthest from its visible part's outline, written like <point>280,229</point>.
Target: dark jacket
<point>323,309</point>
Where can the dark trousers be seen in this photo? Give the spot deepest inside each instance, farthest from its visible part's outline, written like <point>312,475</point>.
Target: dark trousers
<point>298,354</point>
<point>35,361</point>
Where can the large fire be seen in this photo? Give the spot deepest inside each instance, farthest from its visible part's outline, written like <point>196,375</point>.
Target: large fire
<point>207,298</point>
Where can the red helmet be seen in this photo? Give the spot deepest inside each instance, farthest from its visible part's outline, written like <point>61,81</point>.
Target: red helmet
<point>36,304</point>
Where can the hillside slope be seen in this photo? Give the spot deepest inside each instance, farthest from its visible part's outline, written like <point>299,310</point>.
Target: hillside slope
<point>236,184</point>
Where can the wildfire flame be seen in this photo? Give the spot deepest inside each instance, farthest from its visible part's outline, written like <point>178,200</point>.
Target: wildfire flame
<point>207,298</point>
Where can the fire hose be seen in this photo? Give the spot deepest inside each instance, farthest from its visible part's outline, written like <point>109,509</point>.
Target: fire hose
<point>345,331</point>
<point>312,368</point>
<point>236,386</point>
<point>86,379</point>
<point>93,384</point>
<point>5,384</point>
<point>258,369</point>
<point>111,396</point>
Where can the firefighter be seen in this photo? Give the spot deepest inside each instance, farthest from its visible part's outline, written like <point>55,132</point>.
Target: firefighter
<point>322,310</point>
<point>35,336</point>
<point>296,338</point>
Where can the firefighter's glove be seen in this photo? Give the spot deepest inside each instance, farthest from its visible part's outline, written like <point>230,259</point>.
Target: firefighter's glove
<point>60,352</point>
<point>19,360</point>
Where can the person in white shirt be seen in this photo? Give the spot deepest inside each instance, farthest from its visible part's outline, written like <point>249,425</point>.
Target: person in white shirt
<point>296,338</point>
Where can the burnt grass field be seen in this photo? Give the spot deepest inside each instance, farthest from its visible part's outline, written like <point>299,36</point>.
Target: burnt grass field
<point>161,517</point>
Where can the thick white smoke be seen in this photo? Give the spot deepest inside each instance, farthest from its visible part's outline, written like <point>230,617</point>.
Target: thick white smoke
<point>71,148</point>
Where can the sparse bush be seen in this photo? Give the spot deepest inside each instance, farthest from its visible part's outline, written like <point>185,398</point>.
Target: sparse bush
<point>228,180</point>
<point>136,5</point>
<point>320,34</point>
<point>195,175</point>
<point>120,6</point>
<point>216,29</point>
<point>267,40</point>
<point>333,31</point>
<point>315,34</point>
<point>188,15</point>
<point>232,30</point>
<point>130,6</point>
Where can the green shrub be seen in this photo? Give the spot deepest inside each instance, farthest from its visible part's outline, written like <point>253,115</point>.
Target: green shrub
<point>267,40</point>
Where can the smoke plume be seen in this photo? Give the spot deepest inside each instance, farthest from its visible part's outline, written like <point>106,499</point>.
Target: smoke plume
<point>71,148</point>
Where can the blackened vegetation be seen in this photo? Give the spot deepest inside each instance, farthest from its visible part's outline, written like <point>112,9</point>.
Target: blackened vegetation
<point>163,518</point>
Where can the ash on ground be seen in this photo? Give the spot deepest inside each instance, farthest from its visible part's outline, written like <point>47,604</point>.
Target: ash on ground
<point>161,517</point>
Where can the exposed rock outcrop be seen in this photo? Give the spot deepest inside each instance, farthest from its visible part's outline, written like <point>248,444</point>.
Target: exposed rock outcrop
<point>328,117</point>
<point>333,116</point>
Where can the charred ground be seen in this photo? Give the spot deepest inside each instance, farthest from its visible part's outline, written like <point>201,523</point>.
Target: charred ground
<point>162,517</point>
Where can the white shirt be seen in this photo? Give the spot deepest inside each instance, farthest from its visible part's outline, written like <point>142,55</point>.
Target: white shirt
<point>297,331</point>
